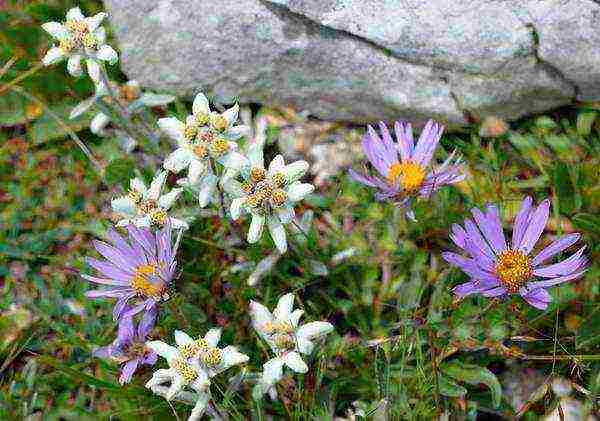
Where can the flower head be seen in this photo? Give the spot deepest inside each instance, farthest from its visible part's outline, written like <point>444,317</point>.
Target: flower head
<point>268,195</point>
<point>500,269</point>
<point>140,270</point>
<point>80,37</point>
<point>192,363</point>
<point>129,348</point>
<point>402,180</point>
<point>286,338</point>
<point>205,139</point>
<point>146,207</point>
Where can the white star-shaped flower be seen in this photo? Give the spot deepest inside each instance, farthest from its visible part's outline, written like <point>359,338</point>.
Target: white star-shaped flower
<point>285,337</point>
<point>268,195</point>
<point>205,139</point>
<point>145,207</point>
<point>191,365</point>
<point>80,37</point>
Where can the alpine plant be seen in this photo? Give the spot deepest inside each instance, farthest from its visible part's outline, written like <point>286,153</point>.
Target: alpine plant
<point>406,171</point>
<point>286,338</point>
<point>138,272</point>
<point>268,195</point>
<point>498,268</point>
<point>192,363</point>
<point>205,140</point>
<point>80,38</point>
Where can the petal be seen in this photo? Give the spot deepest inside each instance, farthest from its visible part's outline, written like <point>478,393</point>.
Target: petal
<point>272,371</point>
<point>105,281</point>
<point>200,105</point>
<point>538,298</point>
<point>294,361</point>
<point>156,186</point>
<point>138,185</point>
<point>260,315</point>
<point>108,54</point>
<point>295,316</point>
<point>489,225</point>
<point>74,65</point>
<point>256,228</point>
<point>53,56</point>
<point>93,69</point>
<point>276,165</point>
<point>94,22</point>
<point>75,14</point>
<point>159,377</point>
<point>236,207</point>
<point>167,200</point>
<point>166,351</point>
<point>182,338</point>
<point>298,191</point>
<point>286,214</point>
<point>236,132</point>
<point>565,267</point>
<point>372,149</point>
<point>212,337</point>
<point>173,128</point>
<point>127,371</point>
<point>99,123</point>
<point>233,160</point>
<point>537,223</point>
<point>363,179</point>
<point>556,281</point>
<point>147,323</point>
<point>428,141</point>
<point>118,257</point>
<point>277,232</point>
<point>150,99</point>
<point>231,114</point>
<point>521,222</point>
<point>314,330</point>
<point>556,247</point>
<point>200,406</point>
<point>458,236</point>
<point>196,170</point>
<point>494,292</point>
<point>207,190</point>
<point>107,293</point>
<point>284,308</point>
<point>475,237</point>
<point>295,171</point>
<point>109,270</point>
<point>56,29</point>
<point>405,140</point>
<point>231,356</point>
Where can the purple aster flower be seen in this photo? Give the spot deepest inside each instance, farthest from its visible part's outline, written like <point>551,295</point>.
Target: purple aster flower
<point>138,272</point>
<point>412,175</point>
<point>129,348</point>
<point>498,269</point>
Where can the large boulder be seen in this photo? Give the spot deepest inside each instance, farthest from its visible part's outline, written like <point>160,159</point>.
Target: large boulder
<point>367,60</point>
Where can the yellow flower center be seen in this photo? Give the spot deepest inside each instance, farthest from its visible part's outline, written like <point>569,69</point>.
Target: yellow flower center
<point>283,327</point>
<point>211,357</point>
<point>90,41</point>
<point>284,341</point>
<point>66,45</point>
<point>278,198</point>
<point>188,372</point>
<point>192,349</point>
<point>514,269</point>
<point>219,147</point>
<point>200,150</point>
<point>134,195</point>
<point>219,123</point>
<point>410,175</point>
<point>247,186</point>
<point>278,179</point>
<point>78,29</point>
<point>257,174</point>
<point>142,284</point>
<point>253,200</point>
<point>146,206</point>
<point>158,216</point>
<point>202,119</point>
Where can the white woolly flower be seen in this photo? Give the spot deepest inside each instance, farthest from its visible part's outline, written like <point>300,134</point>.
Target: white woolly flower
<point>80,37</point>
<point>191,365</point>
<point>268,195</point>
<point>285,337</point>
<point>145,207</point>
<point>130,97</point>
<point>206,138</point>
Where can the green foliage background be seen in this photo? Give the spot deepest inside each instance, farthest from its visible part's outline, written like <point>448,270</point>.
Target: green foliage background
<point>403,347</point>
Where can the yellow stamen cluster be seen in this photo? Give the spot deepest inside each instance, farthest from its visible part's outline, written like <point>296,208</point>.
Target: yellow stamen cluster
<point>158,216</point>
<point>247,187</point>
<point>141,284</point>
<point>278,198</point>
<point>219,147</point>
<point>146,206</point>
<point>219,122</point>
<point>89,41</point>
<point>129,93</point>
<point>200,150</point>
<point>211,357</point>
<point>282,333</point>
<point>263,192</point>
<point>192,349</point>
<point>190,132</point>
<point>67,45</point>
<point>134,195</point>
<point>410,175</point>
<point>514,269</point>
<point>278,179</point>
<point>284,341</point>
<point>257,174</point>
<point>202,119</point>
<point>188,372</point>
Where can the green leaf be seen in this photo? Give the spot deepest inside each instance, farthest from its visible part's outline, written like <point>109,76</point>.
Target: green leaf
<point>474,375</point>
<point>563,186</point>
<point>120,171</point>
<point>450,388</point>
<point>12,109</point>
<point>585,120</point>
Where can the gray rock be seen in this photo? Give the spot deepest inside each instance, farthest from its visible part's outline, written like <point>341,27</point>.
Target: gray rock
<point>366,60</point>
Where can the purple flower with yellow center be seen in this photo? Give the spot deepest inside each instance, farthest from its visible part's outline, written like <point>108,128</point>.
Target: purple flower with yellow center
<point>129,348</point>
<point>413,175</point>
<point>499,269</point>
<point>139,271</point>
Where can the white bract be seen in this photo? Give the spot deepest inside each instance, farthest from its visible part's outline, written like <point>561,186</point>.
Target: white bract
<point>80,37</point>
<point>191,365</point>
<point>145,207</point>
<point>285,337</point>
<point>205,139</point>
<point>268,195</point>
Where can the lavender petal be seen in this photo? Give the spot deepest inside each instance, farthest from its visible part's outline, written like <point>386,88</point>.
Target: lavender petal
<point>566,267</point>
<point>521,222</point>
<point>538,298</point>
<point>556,281</point>
<point>556,247</point>
<point>127,370</point>
<point>404,136</point>
<point>536,225</point>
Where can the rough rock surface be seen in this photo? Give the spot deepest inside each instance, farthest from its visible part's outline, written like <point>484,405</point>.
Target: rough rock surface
<point>367,60</point>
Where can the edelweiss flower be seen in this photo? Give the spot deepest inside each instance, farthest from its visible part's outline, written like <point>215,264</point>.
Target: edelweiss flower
<point>80,37</point>
<point>268,195</point>
<point>498,269</point>
<point>407,178</point>
<point>206,138</point>
<point>130,97</point>
<point>192,364</point>
<point>145,207</point>
<point>285,338</point>
<point>129,349</point>
<point>140,269</point>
